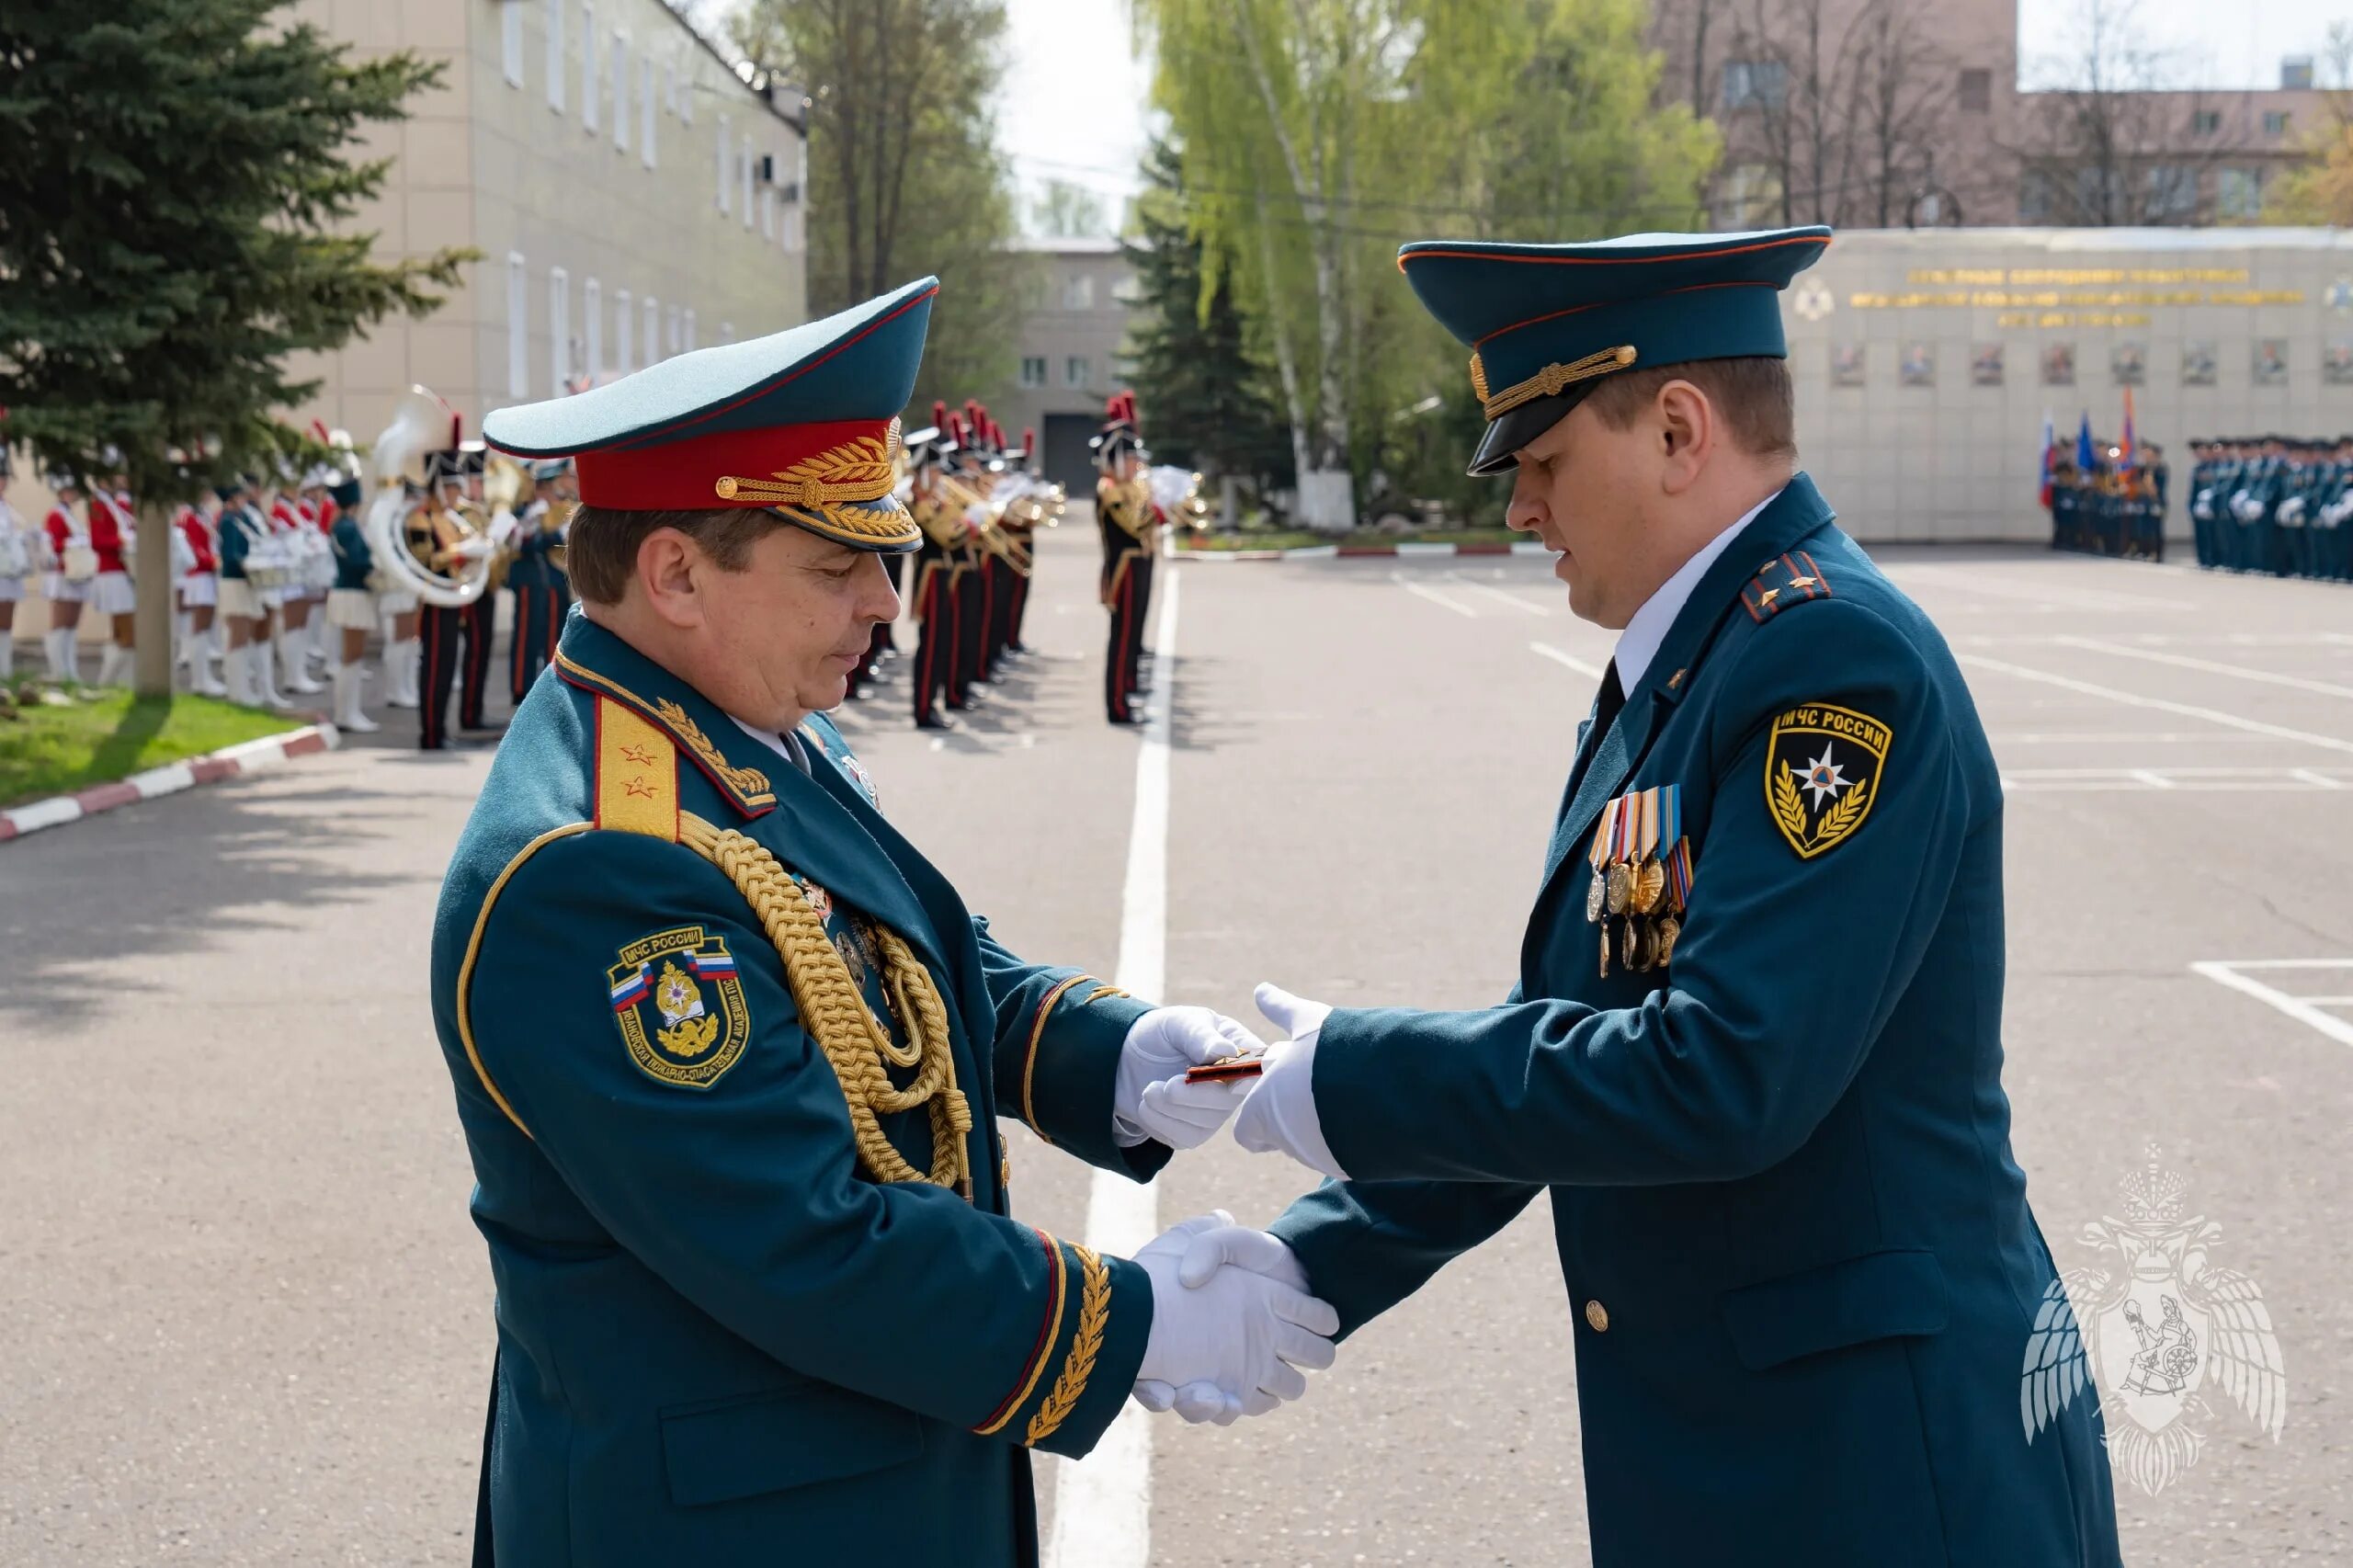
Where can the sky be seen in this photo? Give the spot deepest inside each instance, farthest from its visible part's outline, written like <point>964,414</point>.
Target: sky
<point>2222,43</point>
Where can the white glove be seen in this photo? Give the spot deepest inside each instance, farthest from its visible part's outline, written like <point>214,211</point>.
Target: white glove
<point>1279,1116</point>
<point>1150,1100</point>
<point>1228,1338</point>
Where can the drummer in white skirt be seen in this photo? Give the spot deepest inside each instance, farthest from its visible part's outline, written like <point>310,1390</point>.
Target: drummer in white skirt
<point>292,596</point>
<point>196,580</point>
<point>69,565</point>
<point>16,564</point>
<point>351,606</point>
<point>244,604</point>
<point>114,535</point>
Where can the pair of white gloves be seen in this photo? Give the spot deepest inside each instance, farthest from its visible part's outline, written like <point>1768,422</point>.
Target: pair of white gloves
<point>1234,1329</point>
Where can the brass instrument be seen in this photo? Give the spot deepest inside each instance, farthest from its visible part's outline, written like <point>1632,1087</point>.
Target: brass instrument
<point>441,554</point>
<point>506,489</point>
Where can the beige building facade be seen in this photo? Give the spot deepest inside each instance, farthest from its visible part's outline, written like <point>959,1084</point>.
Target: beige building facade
<point>1068,349</point>
<point>1926,360</point>
<point>633,197</point>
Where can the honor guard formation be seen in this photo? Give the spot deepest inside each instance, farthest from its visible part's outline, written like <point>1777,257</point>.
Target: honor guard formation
<point>2108,500</point>
<point>2277,505</point>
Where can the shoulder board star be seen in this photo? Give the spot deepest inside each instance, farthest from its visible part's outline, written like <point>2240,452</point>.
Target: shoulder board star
<point>1781,582</point>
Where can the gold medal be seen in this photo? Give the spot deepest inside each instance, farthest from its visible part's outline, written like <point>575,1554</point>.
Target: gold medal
<point>1650,887</point>
<point>1669,929</point>
<point>1604,949</point>
<point>1637,947</point>
<point>1596,896</point>
<point>1621,886</point>
<point>1596,893</point>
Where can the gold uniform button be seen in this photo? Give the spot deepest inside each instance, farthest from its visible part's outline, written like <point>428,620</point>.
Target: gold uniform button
<point>1598,1316</point>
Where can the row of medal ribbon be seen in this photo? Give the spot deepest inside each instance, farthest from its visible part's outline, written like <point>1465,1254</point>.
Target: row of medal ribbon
<point>1642,877</point>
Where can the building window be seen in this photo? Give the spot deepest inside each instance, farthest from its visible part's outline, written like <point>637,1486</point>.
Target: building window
<point>1755,84</point>
<point>2173,193</point>
<point>518,327</point>
<point>1976,90</point>
<point>1033,370</point>
<point>1074,370</point>
<point>1078,294</point>
<point>2205,121</point>
<point>592,309</point>
<point>552,12</point>
<point>591,85</point>
<point>723,181</point>
<point>796,203</point>
<point>653,331</point>
<point>2034,198</point>
<point>2098,194</point>
<point>2275,123</point>
<point>687,339</point>
<point>2238,193</point>
<point>559,329</point>
<point>646,115</point>
<point>743,173</point>
<point>621,90</point>
<point>767,212</point>
<point>624,326</point>
<point>510,41</point>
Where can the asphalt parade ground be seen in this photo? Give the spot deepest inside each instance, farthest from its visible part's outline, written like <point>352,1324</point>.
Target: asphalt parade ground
<point>247,1318</point>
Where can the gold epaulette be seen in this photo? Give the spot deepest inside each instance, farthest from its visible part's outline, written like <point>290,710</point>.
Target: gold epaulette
<point>637,772</point>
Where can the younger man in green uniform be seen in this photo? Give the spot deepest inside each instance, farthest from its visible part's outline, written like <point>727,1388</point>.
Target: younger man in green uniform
<point>728,1051</point>
<point>1754,1051</point>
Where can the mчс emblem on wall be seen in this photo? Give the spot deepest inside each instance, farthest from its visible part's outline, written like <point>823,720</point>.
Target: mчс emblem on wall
<point>2161,1328</point>
<point>681,1006</point>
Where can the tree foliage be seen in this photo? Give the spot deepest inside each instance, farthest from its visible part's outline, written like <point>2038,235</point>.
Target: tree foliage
<point>1318,134</point>
<point>904,173</point>
<point>1212,404</point>
<point>2319,190</point>
<point>176,181</point>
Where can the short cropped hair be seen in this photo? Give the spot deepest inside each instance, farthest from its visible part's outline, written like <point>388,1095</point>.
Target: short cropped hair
<point>600,545</point>
<point>1753,396</point>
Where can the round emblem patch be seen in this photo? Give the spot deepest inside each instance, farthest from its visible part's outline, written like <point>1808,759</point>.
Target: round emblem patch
<point>679,1003</point>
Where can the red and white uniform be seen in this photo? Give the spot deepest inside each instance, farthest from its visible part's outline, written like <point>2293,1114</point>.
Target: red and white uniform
<point>17,548</point>
<point>112,534</point>
<point>199,579</point>
<point>65,533</point>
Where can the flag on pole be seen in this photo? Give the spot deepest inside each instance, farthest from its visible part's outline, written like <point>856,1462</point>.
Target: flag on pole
<point>2084,459</point>
<point>2050,442</point>
<point>2125,449</point>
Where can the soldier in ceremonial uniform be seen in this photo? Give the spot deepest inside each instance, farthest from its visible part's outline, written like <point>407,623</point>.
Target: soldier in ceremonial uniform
<point>728,1051</point>
<point>940,519</point>
<point>974,465</point>
<point>1753,1052</point>
<point>1128,521</point>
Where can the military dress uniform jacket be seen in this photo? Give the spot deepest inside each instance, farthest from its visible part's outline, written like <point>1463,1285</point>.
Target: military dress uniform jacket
<point>1123,511</point>
<point>535,545</point>
<point>1802,1268</point>
<point>719,1342</point>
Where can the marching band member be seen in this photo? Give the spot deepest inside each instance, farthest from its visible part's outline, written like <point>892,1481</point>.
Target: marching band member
<point>15,565</point>
<point>941,522</point>
<point>352,604</point>
<point>114,532</point>
<point>71,565</point>
<point>245,605</point>
<point>197,584</point>
<point>536,576</point>
<point>292,596</point>
<point>971,461</point>
<point>1124,511</point>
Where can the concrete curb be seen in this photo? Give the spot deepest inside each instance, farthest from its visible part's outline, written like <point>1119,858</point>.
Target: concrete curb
<point>238,761</point>
<point>1352,552</point>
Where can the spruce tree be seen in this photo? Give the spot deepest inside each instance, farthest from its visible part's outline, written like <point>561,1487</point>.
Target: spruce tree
<point>1205,397</point>
<point>176,182</point>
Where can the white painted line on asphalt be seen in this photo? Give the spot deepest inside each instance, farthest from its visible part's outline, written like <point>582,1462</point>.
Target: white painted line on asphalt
<point>2108,737</point>
<point>2135,699</point>
<point>1512,599</point>
<point>1103,1503</point>
<point>2150,776</point>
<point>1973,580</point>
<point>2318,781</point>
<point>2304,1012</point>
<point>1558,657</point>
<point>2237,672</point>
<point>2285,963</point>
<point>2327,1001</point>
<point>1423,590</point>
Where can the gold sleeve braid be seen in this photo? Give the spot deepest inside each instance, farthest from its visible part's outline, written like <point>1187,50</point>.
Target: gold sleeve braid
<point>1087,1344</point>
<point>836,1015</point>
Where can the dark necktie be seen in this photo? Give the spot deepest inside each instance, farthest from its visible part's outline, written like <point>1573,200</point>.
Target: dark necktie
<point>1613,697</point>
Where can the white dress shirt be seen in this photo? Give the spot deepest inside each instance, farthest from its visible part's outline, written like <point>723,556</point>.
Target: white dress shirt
<point>1638,644</point>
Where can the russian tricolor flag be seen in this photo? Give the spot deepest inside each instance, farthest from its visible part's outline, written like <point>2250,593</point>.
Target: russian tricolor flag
<point>630,992</point>
<point>715,966</point>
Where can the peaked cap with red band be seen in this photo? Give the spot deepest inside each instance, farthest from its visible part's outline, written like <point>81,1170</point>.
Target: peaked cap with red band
<point>803,424</point>
<point>1545,323</point>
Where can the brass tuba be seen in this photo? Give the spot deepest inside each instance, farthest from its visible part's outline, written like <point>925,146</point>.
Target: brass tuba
<point>441,554</point>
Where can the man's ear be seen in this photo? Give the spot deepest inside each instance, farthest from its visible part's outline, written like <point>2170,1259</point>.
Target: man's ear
<point>668,563</point>
<point>1688,430</point>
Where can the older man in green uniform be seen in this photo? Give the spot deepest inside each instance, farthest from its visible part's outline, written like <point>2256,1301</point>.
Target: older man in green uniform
<point>1755,1048</point>
<point>728,1051</point>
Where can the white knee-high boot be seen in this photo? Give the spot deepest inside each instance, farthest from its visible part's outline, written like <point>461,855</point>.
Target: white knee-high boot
<point>292,675</point>
<point>59,645</point>
<point>265,669</point>
<point>401,661</point>
<point>200,678</point>
<point>183,638</point>
<point>7,654</point>
<point>347,715</point>
<point>111,660</point>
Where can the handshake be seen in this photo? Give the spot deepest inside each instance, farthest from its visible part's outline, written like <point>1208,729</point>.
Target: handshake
<point>1235,1327</point>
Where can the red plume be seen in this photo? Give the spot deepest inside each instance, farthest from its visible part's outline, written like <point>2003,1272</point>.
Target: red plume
<point>939,413</point>
<point>1029,438</point>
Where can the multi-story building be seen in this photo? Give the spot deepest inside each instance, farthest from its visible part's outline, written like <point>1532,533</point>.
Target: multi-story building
<point>632,195</point>
<point>1073,325</point>
<point>1887,114</point>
